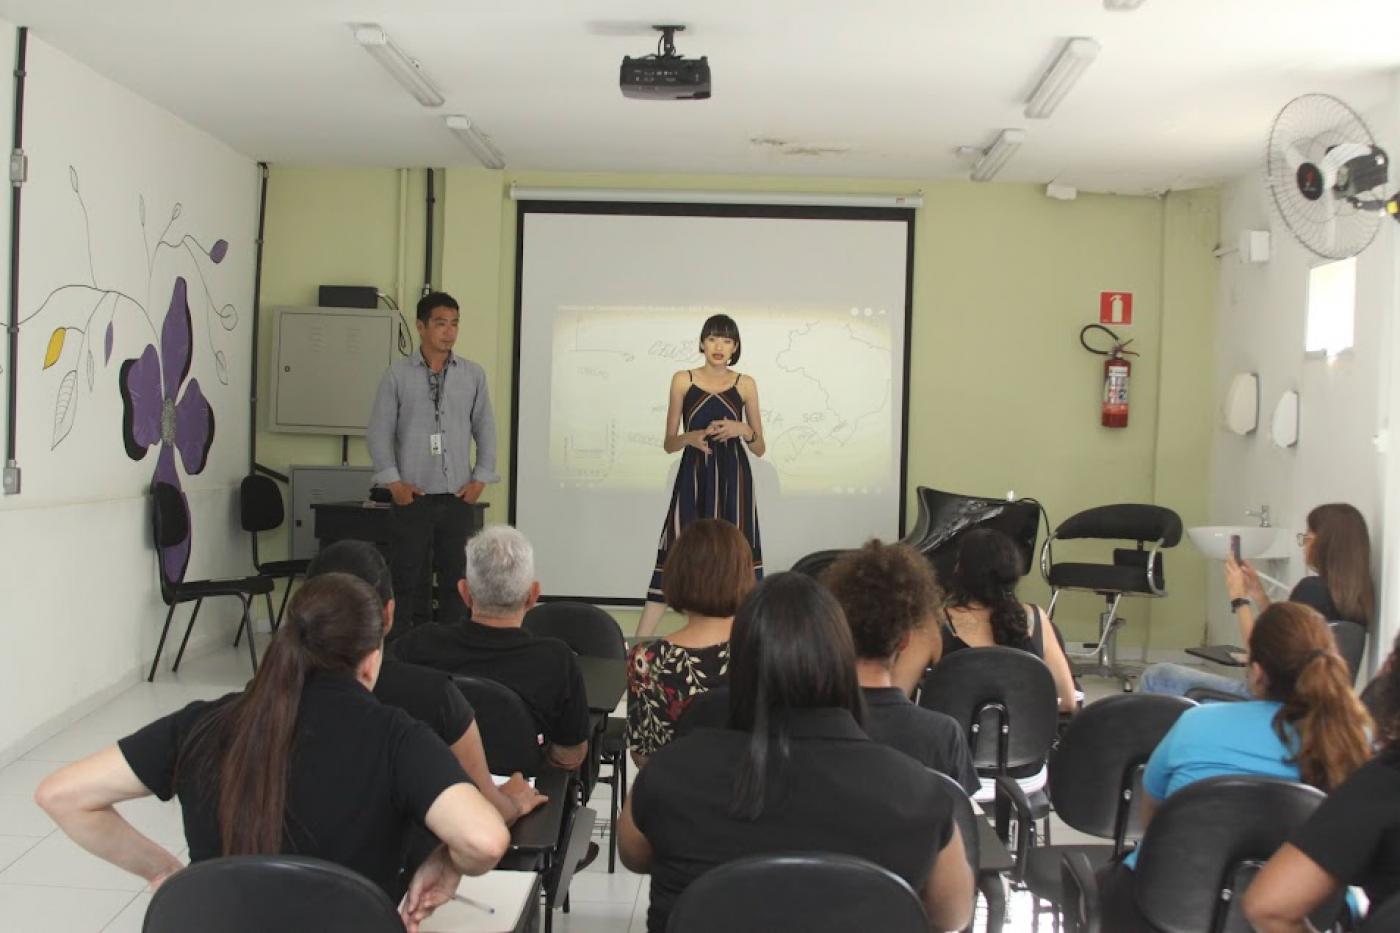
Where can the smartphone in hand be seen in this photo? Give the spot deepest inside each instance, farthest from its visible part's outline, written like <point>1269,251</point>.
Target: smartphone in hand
<point>1235,549</point>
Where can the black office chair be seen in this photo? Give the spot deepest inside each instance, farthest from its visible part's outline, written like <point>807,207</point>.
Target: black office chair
<point>1133,572</point>
<point>509,734</point>
<point>1199,854</point>
<point>170,528</point>
<point>801,892</point>
<point>1015,690</point>
<point>1095,786</point>
<point>814,564</point>
<point>270,894</point>
<point>1384,918</point>
<point>260,509</point>
<point>593,633</point>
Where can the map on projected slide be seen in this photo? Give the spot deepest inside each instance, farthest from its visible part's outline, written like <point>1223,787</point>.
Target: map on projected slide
<point>824,382</point>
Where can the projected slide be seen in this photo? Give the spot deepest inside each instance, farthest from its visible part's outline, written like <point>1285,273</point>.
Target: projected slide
<point>611,304</point>
<point>823,379</point>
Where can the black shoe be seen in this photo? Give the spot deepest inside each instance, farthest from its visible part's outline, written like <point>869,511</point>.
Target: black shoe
<point>588,857</point>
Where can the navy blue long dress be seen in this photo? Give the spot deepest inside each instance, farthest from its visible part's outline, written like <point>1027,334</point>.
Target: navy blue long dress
<point>715,485</point>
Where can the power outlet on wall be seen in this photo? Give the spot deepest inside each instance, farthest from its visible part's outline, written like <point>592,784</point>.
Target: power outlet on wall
<point>11,479</point>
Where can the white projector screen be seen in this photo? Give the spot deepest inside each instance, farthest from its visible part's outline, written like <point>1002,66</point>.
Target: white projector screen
<point>609,304</point>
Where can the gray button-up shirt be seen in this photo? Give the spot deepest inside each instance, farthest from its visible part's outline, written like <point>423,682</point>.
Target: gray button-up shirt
<point>404,419</point>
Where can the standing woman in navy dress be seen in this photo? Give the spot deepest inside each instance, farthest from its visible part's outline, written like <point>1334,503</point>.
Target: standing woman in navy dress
<point>712,416</point>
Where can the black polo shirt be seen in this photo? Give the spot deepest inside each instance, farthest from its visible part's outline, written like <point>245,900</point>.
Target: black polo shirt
<point>838,792</point>
<point>427,695</point>
<point>931,738</point>
<point>361,775</point>
<point>542,670</point>
<point>1354,835</point>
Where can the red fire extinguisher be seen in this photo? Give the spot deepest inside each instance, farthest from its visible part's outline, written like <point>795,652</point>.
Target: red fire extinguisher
<point>1117,370</point>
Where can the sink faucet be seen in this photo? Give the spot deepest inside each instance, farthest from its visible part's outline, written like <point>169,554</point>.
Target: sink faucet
<point>1262,515</point>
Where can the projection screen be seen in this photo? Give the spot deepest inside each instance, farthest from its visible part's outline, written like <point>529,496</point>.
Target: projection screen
<point>610,299</point>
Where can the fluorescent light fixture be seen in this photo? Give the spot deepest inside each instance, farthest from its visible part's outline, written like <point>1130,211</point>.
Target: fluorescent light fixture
<point>1005,146</point>
<point>665,196</point>
<point>1118,5</point>
<point>404,67</point>
<point>478,142</point>
<point>1061,77</point>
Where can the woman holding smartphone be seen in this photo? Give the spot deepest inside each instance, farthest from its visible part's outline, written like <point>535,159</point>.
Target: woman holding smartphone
<point>1336,546</point>
<point>712,416</point>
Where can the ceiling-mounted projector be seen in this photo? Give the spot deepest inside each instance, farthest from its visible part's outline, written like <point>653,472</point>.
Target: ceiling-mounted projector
<point>665,75</point>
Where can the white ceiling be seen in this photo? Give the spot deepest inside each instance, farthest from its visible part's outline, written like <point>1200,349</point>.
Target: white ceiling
<point>1182,93</point>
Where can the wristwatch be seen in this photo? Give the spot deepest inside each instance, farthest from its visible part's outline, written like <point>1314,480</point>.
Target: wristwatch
<point>1239,602</point>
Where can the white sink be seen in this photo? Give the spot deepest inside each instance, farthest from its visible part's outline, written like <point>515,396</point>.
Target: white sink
<point>1214,540</point>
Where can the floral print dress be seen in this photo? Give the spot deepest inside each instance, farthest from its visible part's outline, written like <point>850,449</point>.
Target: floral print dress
<point>662,680</point>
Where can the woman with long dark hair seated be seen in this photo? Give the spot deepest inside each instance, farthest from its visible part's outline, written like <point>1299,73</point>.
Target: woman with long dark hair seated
<point>794,771</point>
<point>1352,839</point>
<point>1337,545</point>
<point>1304,725</point>
<point>983,609</point>
<point>305,761</point>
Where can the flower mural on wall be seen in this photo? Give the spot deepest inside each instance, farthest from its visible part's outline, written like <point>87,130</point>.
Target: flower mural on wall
<point>155,411</point>
<point>161,405</point>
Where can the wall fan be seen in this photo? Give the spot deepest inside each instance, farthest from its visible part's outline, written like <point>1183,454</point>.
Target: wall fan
<point>1328,176</point>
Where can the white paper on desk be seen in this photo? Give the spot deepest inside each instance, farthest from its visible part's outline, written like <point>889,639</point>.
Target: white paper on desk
<point>507,891</point>
<point>499,780</point>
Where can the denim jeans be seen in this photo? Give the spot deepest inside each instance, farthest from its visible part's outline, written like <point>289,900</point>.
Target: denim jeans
<point>1176,679</point>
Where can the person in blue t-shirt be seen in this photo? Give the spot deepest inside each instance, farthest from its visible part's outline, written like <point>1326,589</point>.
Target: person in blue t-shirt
<point>1304,725</point>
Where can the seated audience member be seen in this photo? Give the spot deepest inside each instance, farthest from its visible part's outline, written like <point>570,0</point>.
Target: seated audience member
<point>886,591</point>
<point>426,694</point>
<point>1352,839</point>
<point>1336,545</point>
<point>982,609</point>
<point>303,762</point>
<point>1305,725</point>
<point>793,772</point>
<point>709,571</point>
<point>499,588</point>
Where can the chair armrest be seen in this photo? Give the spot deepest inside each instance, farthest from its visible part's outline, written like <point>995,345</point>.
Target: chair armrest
<point>1152,566</point>
<point>1080,903</point>
<point>1047,558</point>
<point>1009,796</point>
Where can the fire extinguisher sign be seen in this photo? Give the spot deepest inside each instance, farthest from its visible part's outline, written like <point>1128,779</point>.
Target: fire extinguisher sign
<point>1115,307</point>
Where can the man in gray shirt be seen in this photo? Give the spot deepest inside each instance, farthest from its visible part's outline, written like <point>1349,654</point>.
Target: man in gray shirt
<point>431,406</point>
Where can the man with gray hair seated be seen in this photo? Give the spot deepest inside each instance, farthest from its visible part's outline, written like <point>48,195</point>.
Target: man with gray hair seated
<point>499,588</point>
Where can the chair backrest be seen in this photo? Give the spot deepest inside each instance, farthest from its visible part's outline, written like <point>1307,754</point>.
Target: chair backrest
<point>814,892</point>
<point>964,816</point>
<point>271,894</point>
<point>586,628</point>
<point>1204,844</point>
<point>1013,688</point>
<point>944,517</point>
<point>1351,644</point>
<point>259,503</point>
<point>814,565</point>
<point>1096,773</point>
<point>1124,522</point>
<point>509,735</point>
<point>1383,918</point>
<point>170,532</point>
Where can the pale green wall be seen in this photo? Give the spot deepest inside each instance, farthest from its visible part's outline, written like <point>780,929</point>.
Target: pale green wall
<point>1002,396</point>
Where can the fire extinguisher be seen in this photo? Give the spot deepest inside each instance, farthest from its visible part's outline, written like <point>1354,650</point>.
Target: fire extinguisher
<point>1117,370</point>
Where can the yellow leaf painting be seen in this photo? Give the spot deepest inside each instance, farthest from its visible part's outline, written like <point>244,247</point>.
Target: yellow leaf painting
<point>55,349</point>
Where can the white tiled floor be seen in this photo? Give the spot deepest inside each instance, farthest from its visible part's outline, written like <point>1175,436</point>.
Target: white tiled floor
<point>48,883</point>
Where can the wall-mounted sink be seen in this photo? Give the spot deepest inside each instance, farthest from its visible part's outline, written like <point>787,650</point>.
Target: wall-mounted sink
<point>1262,543</point>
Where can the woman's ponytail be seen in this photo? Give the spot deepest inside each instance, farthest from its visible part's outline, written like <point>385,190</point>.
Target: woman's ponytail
<point>1320,714</point>
<point>988,569</point>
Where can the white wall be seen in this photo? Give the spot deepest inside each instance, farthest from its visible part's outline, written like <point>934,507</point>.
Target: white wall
<point>1344,402</point>
<point>122,200</point>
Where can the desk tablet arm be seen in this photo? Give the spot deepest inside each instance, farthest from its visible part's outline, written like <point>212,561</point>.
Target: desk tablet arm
<point>1010,797</point>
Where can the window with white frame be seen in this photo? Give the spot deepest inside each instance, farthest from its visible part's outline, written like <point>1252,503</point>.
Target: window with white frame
<point>1331,307</point>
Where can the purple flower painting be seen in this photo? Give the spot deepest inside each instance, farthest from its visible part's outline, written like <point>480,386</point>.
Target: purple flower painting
<point>155,411</point>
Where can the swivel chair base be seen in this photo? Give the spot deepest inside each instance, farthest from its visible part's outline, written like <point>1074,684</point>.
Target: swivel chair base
<point>1104,662</point>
